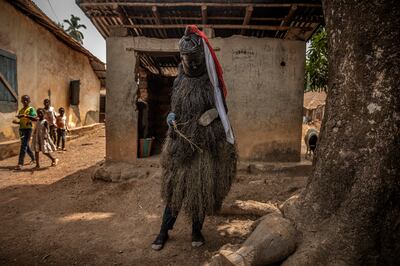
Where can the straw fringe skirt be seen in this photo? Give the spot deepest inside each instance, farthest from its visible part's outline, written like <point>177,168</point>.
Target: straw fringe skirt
<point>196,179</point>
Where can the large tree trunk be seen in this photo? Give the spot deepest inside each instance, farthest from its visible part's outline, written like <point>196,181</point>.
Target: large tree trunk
<point>349,213</point>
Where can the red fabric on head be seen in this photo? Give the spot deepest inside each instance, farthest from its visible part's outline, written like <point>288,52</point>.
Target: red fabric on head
<point>218,68</point>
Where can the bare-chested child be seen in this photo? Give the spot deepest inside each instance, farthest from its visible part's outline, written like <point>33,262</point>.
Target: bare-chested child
<point>62,128</point>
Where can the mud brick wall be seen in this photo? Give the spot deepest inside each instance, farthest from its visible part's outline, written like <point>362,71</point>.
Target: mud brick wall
<point>265,93</point>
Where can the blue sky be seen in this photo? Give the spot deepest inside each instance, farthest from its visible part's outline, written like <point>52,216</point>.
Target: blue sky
<point>58,10</point>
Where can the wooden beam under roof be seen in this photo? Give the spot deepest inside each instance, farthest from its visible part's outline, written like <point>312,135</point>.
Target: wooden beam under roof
<point>305,18</point>
<point>288,18</point>
<point>105,25</point>
<point>204,14</point>
<point>88,3</point>
<point>148,64</point>
<point>215,26</point>
<point>100,28</point>
<point>311,19</point>
<point>123,16</point>
<point>290,15</point>
<point>208,18</point>
<point>154,62</point>
<point>247,18</point>
<point>157,19</point>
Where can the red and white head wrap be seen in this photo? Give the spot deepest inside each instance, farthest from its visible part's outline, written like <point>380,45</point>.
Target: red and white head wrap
<point>215,74</point>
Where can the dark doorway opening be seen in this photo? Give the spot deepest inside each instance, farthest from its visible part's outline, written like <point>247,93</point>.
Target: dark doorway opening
<point>155,73</point>
<point>102,115</point>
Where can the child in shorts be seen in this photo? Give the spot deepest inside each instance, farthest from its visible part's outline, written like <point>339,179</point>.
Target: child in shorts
<point>62,128</point>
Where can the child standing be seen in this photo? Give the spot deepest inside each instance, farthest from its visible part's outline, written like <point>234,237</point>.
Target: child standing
<point>41,139</point>
<point>62,128</point>
<point>26,115</point>
<point>50,116</point>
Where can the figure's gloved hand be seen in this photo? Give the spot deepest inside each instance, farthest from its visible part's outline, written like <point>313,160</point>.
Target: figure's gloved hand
<point>170,119</point>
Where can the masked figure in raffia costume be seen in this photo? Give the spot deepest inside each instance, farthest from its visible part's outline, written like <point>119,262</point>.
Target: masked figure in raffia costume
<point>199,156</point>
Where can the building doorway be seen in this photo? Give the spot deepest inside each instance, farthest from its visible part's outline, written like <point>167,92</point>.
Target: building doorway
<point>155,74</point>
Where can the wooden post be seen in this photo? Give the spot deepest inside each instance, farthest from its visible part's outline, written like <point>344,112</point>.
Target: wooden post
<point>157,19</point>
<point>204,14</point>
<point>247,18</point>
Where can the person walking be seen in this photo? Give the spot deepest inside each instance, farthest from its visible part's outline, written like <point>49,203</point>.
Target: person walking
<point>26,115</point>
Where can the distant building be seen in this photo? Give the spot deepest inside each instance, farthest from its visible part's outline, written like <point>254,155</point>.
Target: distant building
<point>39,59</point>
<point>314,106</point>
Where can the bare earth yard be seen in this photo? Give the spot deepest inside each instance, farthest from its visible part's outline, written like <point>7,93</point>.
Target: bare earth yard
<point>59,216</point>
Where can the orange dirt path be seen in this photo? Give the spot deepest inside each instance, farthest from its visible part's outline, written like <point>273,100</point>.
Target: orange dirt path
<point>58,215</point>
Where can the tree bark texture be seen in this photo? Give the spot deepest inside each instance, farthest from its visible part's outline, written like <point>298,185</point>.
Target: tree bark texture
<point>349,213</point>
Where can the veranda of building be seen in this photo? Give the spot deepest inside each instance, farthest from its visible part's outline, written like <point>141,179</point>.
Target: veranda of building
<point>260,45</point>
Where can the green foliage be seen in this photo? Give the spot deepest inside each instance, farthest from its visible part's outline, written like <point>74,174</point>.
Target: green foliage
<point>316,75</point>
<point>73,28</point>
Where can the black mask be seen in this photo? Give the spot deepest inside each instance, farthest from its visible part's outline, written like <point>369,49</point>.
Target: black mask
<point>192,55</point>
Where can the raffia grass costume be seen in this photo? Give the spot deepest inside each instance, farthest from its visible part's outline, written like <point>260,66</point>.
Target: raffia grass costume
<point>196,180</point>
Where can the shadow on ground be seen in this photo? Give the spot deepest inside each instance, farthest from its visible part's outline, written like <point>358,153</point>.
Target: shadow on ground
<point>78,221</point>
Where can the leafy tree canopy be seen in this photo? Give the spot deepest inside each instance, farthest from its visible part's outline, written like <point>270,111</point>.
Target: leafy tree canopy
<point>73,28</point>
<point>316,74</point>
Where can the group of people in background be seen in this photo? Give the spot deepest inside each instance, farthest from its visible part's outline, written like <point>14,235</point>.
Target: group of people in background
<point>47,135</point>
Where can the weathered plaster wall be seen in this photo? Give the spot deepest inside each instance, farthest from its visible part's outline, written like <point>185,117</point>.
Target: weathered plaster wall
<point>264,97</point>
<point>44,63</point>
<point>121,118</point>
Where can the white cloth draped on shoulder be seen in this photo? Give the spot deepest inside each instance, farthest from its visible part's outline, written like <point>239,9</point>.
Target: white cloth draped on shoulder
<point>212,74</point>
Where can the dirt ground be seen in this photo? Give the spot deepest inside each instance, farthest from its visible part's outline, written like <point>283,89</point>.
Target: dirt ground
<point>59,216</point>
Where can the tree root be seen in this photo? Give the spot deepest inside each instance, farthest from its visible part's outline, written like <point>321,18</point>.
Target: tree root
<point>249,207</point>
<point>273,240</point>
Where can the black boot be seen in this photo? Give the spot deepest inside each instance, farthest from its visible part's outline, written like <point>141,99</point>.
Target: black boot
<point>167,224</point>
<point>197,237</point>
<point>160,240</point>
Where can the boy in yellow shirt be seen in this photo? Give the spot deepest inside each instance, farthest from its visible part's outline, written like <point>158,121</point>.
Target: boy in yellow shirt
<point>26,115</point>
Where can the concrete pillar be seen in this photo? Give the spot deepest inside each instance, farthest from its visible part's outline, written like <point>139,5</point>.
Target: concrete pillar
<point>121,117</point>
